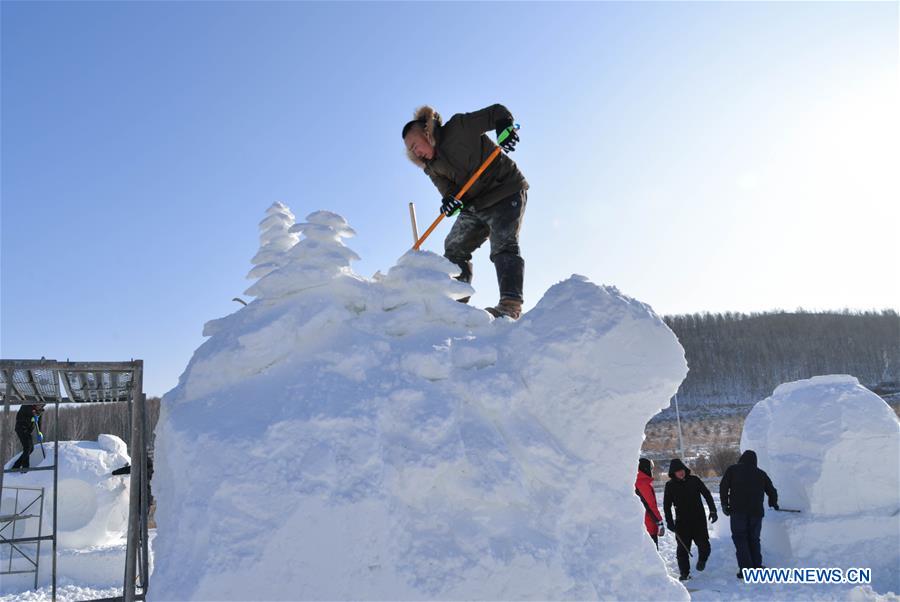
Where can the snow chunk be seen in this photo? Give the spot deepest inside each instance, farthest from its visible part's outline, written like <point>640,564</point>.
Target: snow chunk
<point>93,504</point>
<point>346,438</point>
<point>92,514</point>
<point>832,449</point>
<point>421,289</point>
<point>473,356</point>
<point>833,445</point>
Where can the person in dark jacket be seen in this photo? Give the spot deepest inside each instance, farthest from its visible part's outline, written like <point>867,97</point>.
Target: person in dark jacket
<point>684,491</point>
<point>492,209</point>
<point>126,470</point>
<point>741,493</point>
<point>26,417</point>
<point>643,488</point>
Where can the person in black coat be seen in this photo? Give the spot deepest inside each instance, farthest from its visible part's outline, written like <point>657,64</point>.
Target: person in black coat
<point>127,470</point>
<point>25,419</point>
<point>741,493</point>
<point>684,491</point>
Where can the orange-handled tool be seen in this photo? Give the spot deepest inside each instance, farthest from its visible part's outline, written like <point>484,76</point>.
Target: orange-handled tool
<point>468,185</point>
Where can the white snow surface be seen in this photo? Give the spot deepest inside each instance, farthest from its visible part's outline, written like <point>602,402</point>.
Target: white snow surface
<point>351,438</point>
<point>832,449</point>
<point>92,514</point>
<point>65,592</point>
<point>718,582</point>
<point>93,504</point>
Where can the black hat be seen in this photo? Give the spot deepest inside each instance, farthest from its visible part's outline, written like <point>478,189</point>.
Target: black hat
<point>410,124</point>
<point>645,466</point>
<point>677,465</point>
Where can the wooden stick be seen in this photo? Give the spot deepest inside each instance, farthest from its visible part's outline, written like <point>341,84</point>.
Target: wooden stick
<point>458,197</point>
<point>415,226</point>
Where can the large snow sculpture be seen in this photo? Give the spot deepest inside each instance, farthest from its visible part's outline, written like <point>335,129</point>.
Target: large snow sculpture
<point>343,438</point>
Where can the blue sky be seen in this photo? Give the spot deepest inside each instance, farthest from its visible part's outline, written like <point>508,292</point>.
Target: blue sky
<point>700,156</point>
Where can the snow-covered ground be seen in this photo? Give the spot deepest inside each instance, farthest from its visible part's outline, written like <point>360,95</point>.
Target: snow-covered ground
<point>719,582</point>
<point>64,593</point>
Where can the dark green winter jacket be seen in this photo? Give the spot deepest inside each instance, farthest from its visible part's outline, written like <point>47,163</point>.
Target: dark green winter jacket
<point>461,148</point>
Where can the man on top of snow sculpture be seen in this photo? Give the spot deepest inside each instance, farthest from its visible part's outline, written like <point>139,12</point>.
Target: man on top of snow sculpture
<point>450,153</point>
<point>643,487</point>
<point>741,493</point>
<point>683,491</point>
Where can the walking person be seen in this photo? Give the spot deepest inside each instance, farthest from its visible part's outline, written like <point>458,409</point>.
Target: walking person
<point>643,488</point>
<point>492,209</point>
<point>26,418</point>
<point>686,493</point>
<point>741,493</point>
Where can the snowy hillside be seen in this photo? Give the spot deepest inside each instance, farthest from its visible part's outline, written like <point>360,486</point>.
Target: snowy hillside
<point>347,438</point>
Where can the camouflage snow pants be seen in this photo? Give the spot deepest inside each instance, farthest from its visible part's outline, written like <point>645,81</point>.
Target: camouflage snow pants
<point>501,223</point>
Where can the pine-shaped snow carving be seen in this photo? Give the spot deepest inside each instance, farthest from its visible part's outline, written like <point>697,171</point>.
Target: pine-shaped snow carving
<point>318,258</point>
<point>274,239</point>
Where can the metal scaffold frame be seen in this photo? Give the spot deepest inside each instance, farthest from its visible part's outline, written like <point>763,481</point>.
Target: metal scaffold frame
<point>11,520</point>
<point>38,381</point>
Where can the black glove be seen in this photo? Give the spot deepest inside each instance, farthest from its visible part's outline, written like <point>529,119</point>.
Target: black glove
<point>509,144</point>
<point>713,517</point>
<point>450,205</point>
<point>670,526</point>
<point>775,505</point>
<point>726,510</point>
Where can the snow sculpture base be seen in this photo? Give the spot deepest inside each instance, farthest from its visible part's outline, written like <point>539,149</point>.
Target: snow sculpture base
<point>345,438</point>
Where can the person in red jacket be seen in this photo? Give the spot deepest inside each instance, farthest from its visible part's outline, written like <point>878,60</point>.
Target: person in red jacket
<point>643,488</point>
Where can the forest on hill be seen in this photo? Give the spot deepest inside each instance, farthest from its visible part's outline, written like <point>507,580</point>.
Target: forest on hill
<point>736,359</point>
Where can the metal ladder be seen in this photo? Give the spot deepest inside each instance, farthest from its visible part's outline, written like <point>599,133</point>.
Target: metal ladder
<point>16,543</point>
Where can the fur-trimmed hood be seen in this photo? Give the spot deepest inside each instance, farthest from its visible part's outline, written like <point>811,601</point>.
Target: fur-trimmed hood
<point>432,124</point>
<point>461,146</point>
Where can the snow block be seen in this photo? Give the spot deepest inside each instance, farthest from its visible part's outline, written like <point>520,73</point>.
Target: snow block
<point>833,445</point>
<point>832,449</point>
<point>92,514</point>
<point>376,439</point>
